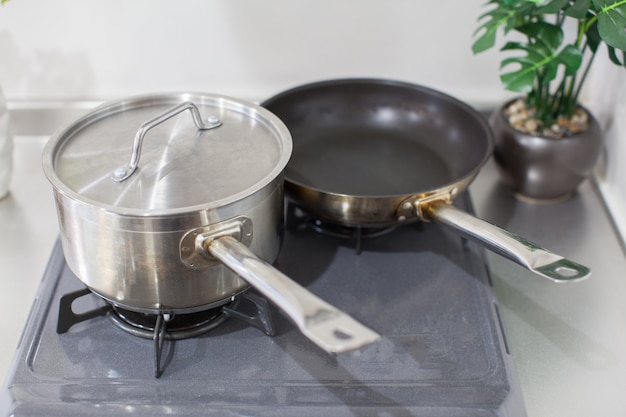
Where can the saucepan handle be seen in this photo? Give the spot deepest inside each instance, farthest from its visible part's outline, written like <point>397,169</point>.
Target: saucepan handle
<point>123,173</point>
<point>226,243</point>
<point>329,328</point>
<point>519,250</point>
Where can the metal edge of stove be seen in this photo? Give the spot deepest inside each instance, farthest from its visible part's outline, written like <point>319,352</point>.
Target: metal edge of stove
<point>34,323</point>
<point>514,404</point>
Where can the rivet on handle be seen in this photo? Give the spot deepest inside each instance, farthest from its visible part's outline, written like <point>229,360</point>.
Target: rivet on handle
<point>122,173</point>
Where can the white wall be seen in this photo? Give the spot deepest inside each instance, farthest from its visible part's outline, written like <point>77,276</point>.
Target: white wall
<point>605,95</point>
<point>98,50</point>
<point>85,49</point>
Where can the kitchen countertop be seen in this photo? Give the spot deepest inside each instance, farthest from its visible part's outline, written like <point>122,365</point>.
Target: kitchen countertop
<point>567,340</point>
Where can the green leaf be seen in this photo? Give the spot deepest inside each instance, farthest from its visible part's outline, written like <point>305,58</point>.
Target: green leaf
<point>486,41</point>
<point>513,3</point>
<point>523,78</point>
<point>547,35</point>
<point>537,63</point>
<point>497,18</point>
<point>612,22</point>
<point>531,53</point>
<point>579,9</point>
<point>613,57</point>
<point>571,58</point>
<point>520,81</point>
<point>593,37</point>
<point>553,6</point>
<point>505,16</point>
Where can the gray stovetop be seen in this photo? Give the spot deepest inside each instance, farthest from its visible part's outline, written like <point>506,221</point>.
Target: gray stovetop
<point>425,291</point>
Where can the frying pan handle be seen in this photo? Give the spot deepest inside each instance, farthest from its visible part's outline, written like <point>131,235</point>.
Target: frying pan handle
<point>509,245</point>
<point>331,329</point>
<point>124,172</point>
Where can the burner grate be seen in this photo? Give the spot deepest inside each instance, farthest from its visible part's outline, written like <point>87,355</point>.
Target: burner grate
<point>160,327</point>
<point>296,217</point>
<point>179,326</point>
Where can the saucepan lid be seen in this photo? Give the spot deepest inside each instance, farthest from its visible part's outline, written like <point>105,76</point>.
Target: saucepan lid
<point>167,154</point>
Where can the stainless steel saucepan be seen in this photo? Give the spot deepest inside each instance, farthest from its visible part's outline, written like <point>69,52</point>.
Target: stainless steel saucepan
<point>173,203</point>
<point>371,152</point>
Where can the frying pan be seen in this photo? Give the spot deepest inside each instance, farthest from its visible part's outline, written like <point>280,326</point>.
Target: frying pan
<point>371,152</point>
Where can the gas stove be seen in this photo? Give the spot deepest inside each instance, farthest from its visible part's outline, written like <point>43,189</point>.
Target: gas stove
<point>427,292</point>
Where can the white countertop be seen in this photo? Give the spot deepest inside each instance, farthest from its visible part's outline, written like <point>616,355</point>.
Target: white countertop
<point>28,230</point>
<point>568,341</point>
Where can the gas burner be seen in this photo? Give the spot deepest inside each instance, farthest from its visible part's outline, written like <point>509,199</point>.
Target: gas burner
<point>179,326</point>
<point>340,231</point>
<point>296,217</point>
<point>168,326</point>
<point>246,307</point>
<point>352,233</point>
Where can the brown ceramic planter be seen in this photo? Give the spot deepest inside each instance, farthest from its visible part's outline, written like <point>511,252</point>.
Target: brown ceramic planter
<point>543,169</point>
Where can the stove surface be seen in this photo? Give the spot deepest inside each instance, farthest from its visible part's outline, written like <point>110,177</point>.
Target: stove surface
<point>426,291</point>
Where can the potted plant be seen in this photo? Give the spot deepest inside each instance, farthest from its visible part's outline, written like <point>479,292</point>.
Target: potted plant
<point>546,142</point>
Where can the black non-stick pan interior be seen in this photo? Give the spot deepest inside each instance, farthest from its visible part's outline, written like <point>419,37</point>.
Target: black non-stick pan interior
<point>379,138</point>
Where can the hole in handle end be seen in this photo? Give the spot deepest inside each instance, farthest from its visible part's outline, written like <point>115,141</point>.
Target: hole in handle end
<point>564,270</point>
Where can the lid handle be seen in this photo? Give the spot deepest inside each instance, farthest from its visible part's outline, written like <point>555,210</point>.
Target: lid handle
<point>122,173</point>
